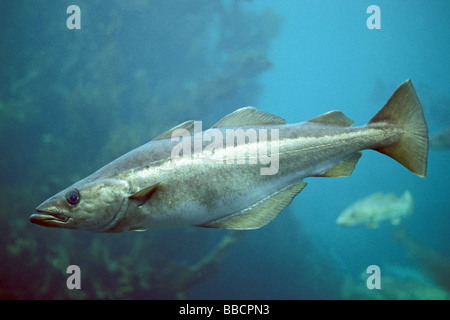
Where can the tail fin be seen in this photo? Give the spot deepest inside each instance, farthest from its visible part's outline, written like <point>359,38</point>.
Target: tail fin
<point>404,109</point>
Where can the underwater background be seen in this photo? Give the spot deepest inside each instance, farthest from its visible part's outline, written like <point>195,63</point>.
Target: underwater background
<point>71,101</point>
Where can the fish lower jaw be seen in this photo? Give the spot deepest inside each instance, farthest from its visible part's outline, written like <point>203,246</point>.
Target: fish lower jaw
<point>49,219</point>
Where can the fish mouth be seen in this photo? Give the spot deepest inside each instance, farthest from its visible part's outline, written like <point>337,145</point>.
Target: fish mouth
<point>49,219</point>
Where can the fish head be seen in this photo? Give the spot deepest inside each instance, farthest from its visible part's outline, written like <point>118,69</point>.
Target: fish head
<point>348,218</point>
<point>95,206</point>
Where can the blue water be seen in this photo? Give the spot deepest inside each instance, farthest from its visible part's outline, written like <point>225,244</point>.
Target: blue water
<point>73,100</point>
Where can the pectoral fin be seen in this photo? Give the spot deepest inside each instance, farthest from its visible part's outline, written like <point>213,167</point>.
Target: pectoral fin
<point>259,213</point>
<point>143,195</point>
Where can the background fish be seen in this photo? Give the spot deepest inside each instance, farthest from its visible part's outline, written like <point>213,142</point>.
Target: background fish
<point>376,209</point>
<point>441,139</point>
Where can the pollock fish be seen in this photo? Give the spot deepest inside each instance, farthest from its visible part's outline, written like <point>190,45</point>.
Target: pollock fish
<point>154,187</point>
<point>377,208</point>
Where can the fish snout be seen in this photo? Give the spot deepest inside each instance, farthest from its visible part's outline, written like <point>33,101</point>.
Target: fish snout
<point>47,218</point>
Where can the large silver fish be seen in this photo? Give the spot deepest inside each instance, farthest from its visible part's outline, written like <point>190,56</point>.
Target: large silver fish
<point>189,178</point>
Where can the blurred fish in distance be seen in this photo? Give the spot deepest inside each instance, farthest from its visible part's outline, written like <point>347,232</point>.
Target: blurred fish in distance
<point>377,208</point>
<point>441,139</point>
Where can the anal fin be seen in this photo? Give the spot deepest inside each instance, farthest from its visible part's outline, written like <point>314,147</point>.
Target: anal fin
<point>260,213</point>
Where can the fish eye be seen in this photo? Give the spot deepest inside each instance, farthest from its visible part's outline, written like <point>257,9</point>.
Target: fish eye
<point>73,197</point>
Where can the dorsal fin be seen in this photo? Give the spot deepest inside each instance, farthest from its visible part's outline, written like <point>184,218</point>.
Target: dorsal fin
<point>336,118</point>
<point>260,213</point>
<point>249,116</point>
<point>188,125</point>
